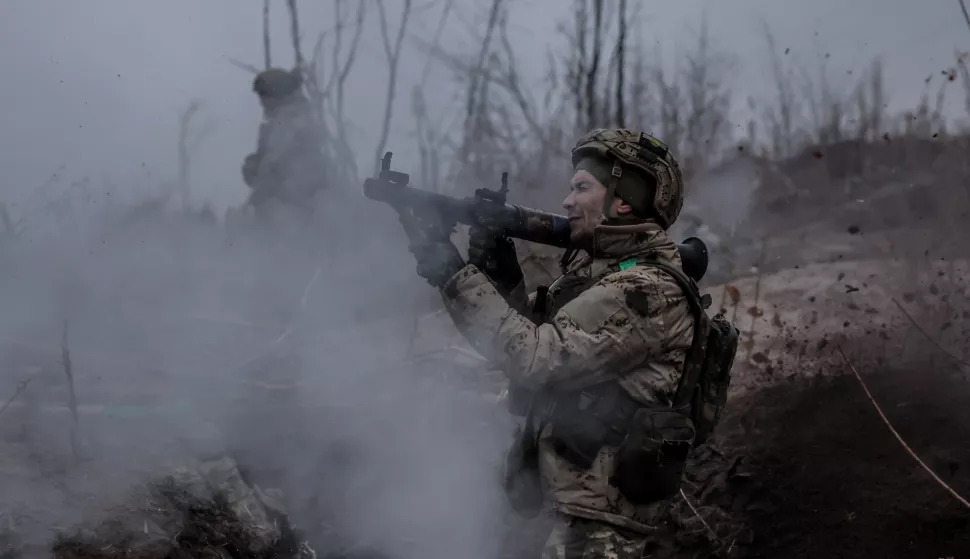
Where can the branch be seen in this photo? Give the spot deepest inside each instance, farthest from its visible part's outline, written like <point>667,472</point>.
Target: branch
<point>436,41</point>
<point>344,71</point>
<point>248,67</point>
<point>511,83</point>
<point>393,56</point>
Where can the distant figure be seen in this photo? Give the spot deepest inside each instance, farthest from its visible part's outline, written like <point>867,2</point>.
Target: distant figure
<point>288,165</point>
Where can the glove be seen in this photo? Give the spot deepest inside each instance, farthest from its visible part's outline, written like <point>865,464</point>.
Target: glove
<point>494,253</point>
<point>438,261</point>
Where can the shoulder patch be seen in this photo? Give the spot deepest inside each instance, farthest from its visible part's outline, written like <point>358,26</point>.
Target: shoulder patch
<point>637,300</point>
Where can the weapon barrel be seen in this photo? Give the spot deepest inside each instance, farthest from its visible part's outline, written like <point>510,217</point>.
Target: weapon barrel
<point>519,222</point>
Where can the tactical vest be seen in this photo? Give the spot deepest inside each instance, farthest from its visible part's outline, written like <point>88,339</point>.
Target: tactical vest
<point>652,443</point>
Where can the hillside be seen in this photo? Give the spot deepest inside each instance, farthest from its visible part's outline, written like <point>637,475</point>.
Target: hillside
<point>205,339</point>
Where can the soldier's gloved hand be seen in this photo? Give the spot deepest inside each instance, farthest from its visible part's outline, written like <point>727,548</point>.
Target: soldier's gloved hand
<point>438,261</point>
<point>494,253</point>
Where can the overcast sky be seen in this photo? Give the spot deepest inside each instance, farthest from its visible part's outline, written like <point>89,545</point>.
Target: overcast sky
<point>95,87</point>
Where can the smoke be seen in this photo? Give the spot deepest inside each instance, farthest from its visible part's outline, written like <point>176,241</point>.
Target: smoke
<point>723,197</point>
<point>289,351</point>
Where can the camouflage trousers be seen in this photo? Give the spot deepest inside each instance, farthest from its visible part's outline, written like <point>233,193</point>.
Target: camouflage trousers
<point>580,538</point>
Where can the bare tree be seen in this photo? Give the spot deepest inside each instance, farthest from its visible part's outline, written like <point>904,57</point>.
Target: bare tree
<point>780,118</point>
<point>267,55</point>
<point>592,73</point>
<point>429,137</point>
<point>964,71</point>
<point>183,152</point>
<point>393,55</point>
<point>326,91</point>
<point>620,65</point>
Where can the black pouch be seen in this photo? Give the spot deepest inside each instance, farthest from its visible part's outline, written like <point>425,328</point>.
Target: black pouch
<point>523,486</point>
<point>585,422</point>
<point>579,439</point>
<point>649,465</point>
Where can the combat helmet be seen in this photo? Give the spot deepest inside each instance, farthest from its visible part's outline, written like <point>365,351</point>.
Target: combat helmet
<point>276,83</point>
<point>644,153</point>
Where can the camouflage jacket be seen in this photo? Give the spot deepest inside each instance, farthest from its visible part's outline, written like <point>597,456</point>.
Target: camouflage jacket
<point>632,326</point>
<point>288,162</point>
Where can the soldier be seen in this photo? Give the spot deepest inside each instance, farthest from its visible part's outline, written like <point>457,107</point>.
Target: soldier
<point>288,164</point>
<point>599,355</point>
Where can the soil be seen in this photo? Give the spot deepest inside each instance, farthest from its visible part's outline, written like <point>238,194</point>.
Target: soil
<point>835,482</point>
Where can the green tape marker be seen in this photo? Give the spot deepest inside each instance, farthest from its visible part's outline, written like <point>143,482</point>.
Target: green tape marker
<point>628,263</point>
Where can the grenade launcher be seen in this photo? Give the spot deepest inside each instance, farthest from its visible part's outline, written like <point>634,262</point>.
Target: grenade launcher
<point>443,212</point>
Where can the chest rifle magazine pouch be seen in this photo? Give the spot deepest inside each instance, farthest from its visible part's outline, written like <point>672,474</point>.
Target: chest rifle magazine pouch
<point>523,486</point>
<point>649,464</point>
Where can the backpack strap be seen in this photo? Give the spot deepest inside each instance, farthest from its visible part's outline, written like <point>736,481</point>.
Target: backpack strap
<point>698,347</point>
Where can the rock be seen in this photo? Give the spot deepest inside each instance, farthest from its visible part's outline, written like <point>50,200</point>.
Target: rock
<point>204,509</point>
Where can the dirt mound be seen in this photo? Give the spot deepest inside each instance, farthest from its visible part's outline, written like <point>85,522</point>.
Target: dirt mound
<point>207,528</point>
<point>835,482</point>
<point>205,512</point>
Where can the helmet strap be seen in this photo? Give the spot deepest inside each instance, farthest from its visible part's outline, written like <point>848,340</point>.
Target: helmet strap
<point>615,177</point>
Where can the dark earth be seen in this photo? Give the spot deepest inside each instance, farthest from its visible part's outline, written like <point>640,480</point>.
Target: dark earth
<point>834,481</point>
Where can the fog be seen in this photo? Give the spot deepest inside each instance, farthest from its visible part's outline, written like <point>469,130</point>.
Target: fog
<point>291,351</point>
<point>97,87</point>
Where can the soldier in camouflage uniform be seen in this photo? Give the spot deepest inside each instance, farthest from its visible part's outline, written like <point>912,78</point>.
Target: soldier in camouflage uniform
<point>288,164</point>
<point>599,354</point>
